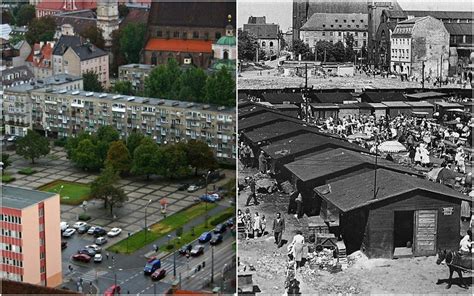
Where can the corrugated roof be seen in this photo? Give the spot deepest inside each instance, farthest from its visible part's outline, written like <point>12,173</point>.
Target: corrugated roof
<point>420,104</point>
<point>179,45</point>
<point>424,95</point>
<point>358,191</point>
<point>396,104</point>
<point>20,198</point>
<point>337,161</point>
<point>257,121</point>
<point>336,22</point>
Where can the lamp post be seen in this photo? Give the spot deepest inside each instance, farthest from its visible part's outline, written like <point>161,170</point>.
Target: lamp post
<point>146,226</point>
<point>169,238</point>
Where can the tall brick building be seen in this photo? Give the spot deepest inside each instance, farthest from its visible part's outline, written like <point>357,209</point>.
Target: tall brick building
<point>185,31</point>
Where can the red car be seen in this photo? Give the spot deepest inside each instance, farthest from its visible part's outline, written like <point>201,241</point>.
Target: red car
<point>82,257</point>
<point>112,290</point>
<point>158,274</point>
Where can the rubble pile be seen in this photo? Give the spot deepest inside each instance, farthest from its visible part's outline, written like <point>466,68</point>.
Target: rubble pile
<point>323,260</point>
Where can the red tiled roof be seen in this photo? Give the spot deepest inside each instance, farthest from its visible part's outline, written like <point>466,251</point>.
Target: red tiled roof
<point>59,5</point>
<point>45,54</point>
<point>179,45</point>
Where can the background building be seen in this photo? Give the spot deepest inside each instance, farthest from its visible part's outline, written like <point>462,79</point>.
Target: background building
<point>16,76</point>
<point>266,34</point>
<point>51,7</point>
<point>136,74</point>
<point>412,49</point>
<point>225,50</point>
<point>31,241</point>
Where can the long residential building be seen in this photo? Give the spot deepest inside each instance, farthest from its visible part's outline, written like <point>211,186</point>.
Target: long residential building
<point>64,113</point>
<point>30,238</point>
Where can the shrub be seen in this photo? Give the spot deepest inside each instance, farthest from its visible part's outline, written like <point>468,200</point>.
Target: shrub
<point>84,217</point>
<point>60,142</point>
<point>179,231</point>
<point>221,218</point>
<point>169,247</point>
<point>7,178</point>
<point>27,171</point>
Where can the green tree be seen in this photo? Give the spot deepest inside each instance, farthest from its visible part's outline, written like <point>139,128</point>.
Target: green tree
<point>248,46</point>
<point>91,82</point>
<point>95,35</point>
<point>117,54</point>
<point>6,161</point>
<point>123,10</point>
<point>220,88</point>
<point>41,29</point>
<point>107,134</point>
<point>163,81</point>
<point>85,156</point>
<point>349,48</point>
<point>200,156</point>
<point>146,159</point>
<point>132,40</point>
<point>103,188</point>
<point>339,52</point>
<point>118,157</point>
<point>174,162</point>
<point>134,140</point>
<point>32,146</point>
<point>324,51</point>
<point>301,48</point>
<point>123,88</point>
<point>25,14</point>
<point>191,85</point>
<point>7,17</point>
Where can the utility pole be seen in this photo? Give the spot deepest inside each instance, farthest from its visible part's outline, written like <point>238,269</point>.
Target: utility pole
<point>174,264</point>
<point>375,170</point>
<point>441,71</point>
<point>305,93</point>
<point>325,55</point>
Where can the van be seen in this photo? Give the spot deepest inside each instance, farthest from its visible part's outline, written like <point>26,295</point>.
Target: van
<point>152,265</point>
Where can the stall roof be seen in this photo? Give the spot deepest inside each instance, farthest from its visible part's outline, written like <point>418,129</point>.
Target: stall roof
<point>280,98</point>
<point>258,121</point>
<point>378,105</point>
<point>358,191</point>
<point>426,95</point>
<point>324,106</point>
<point>449,104</point>
<point>396,104</point>
<point>286,106</point>
<point>273,130</point>
<point>381,97</point>
<point>251,110</point>
<point>338,160</point>
<point>307,142</point>
<point>420,104</point>
<point>348,106</point>
<point>334,97</point>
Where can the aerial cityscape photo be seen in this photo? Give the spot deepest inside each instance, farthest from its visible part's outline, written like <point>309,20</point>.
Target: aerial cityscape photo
<point>118,147</point>
<point>355,123</point>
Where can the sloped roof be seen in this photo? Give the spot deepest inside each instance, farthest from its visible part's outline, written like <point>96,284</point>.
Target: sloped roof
<point>427,94</point>
<point>271,131</point>
<point>279,98</point>
<point>79,23</point>
<point>12,287</point>
<point>262,31</point>
<point>358,191</point>
<point>179,45</point>
<point>336,161</point>
<point>46,53</point>
<point>339,6</point>
<point>257,121</point>
<point>65,42</point>
<point>59,5</point>
<point>83,50</point>
<point>206,14</point>
<point>379,97</point>
<point>136,16</point>
<point>333,97</point>
<point>337,22</point>
<point>441,14</point>
<point>459,28</point>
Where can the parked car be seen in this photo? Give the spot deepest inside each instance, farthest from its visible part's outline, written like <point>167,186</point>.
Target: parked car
<point>213,197</point>
<point>96,248</point>
<point>69,232</point>
<point>63,245</point>
<point>114,232</point>
<point>230,222</point>
<point>91,230</point>
<point>183,187</point>
<point>82,257</point>
<point>12,138</point>
<point>152,265</point>
<point>215,176</point>
<point>100,240</point>
<point>63,225</point>
<point>79,224</point>
<point>99,231</point>
<point>197,250</point>
<point>216,239</point>
<point>158,274</point>
<point>220,228</point>
<point>193,188</point>
<point>185,249</point>
<point>205,237</point>
<point>87,251</point>
<point>83,229</point>
<point>112,290</point>
<point>98,258</point>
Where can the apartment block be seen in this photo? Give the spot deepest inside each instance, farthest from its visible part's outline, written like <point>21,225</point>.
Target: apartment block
<point>31,240</point>
<point>136,74</point>
<point>66,113</point>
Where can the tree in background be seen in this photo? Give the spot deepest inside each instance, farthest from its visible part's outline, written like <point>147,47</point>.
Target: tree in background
<point>73,142</point>
<point>41,29</point>
<point>200,156</point>
<point>7,17</point>
<point>248,46</point>
<point>6,161</point>
<point>94,35</point>
<point>146,159</point>
<point>191,85</point>
<point>24,14</point>
<point>174,162</point>
<point>85,156</point>
<point>220,88</point>
<point>132,40</point>
<point>118,157</point>
<point>123,87</point>
<point>117,54</point>
<point>163,81</point>
<point>350,53</point>
<point>123,10</point>
<point>134,140</point>
<point>32,146</point>
<point>103,188</point>
<point>91,82</point>
<point>338,53</point>
<point>301,48</point>
<point>324,50</point>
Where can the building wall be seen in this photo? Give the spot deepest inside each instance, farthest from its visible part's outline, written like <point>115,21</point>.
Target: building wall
<point>270,46</point>
<point>136,75</point>
<point>196,33</point>
<point>31,245</point>
<point>380,225</point>
<point>201,60</point>
<point>12,232</point>
<point>99,65</point>
<point>16,111</point>
<point>52,215</point>
<point>400,59</point>
<point>312,37</point>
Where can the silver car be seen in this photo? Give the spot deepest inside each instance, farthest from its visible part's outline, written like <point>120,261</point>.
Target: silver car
<point>100,240</point>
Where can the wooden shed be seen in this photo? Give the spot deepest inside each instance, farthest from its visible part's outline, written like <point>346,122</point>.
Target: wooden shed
<point>396,108</point>
<point>288,109</point>
<point>348,110</point>
<point>444,107</point>
<point>421,109</point>
<point>407,214</point>
<point>379,110</point>
<point>324,110</point>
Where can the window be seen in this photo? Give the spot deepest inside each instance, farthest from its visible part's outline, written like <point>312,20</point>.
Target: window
<point>324,33</point>
<point>357,26</point>
<point>264,43</point>
<point>356,34</point>
<point>361,21</point>
<point>159,34</point>
<point>332,26</point>
<point>41,212</point>
<point>271,43</point>
<point>345,21</point>
<point>348,26</point>
<point>338,33</point>
<point>324,26</point>
<point>185,35</point>
<point>353,21</point>
<point>176,34</point>
<point>364,34</point>
<point>195,35</point>
<point>206,35</point>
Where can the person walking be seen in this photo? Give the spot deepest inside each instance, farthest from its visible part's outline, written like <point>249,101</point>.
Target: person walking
<point>262,163</point>
<point>256,225</point>
<point>297,246</point>
<point>252,194</point>
<point>299,204</point>
<point>278,228</point>
<point>263,225</point>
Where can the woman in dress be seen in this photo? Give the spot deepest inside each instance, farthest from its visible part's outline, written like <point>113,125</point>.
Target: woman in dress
<point>297,248</point>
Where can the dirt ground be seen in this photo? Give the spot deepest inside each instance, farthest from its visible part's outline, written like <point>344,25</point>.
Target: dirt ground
<point>270,79</point>
<point>418,275</point>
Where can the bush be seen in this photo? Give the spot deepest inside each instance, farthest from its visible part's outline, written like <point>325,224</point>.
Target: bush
<point>60,142</point>
<point>7,178</point>
<point>84,217</point>
<point>27,171</point>
<point>169,247</point>
<point>221,218</point>
<point>179,231</point>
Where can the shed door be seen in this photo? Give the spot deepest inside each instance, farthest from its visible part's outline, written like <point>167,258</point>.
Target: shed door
<point>425,232</point>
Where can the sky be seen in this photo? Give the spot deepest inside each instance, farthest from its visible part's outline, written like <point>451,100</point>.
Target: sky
<point>280,11</point>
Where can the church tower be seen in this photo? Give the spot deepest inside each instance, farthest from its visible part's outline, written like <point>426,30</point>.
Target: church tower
<point>107,18</point>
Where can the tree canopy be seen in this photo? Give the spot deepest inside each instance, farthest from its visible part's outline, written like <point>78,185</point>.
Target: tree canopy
<point>123,87</point>
<point>146,159</point>
<point>248,46</point>
<point>41,29</point>
<point>103,188</point>
<point>91,82</point>
<point>95,36</point>
<point>32,146</point>
<point>200,156</point>
<point>24,14</point>
<point>220,88</point>
<point>118,157</point>
<point>132,40</point>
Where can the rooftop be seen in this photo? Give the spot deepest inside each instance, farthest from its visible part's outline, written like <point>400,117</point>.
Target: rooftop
<point>424,95</point>
<point>139,66</point>
<point>20,198</point>
<point>263,31</point>
<point>333,97</point>
<point>381,97</point>
<point>272,131</point>
<point>336,22</point>
<point>358,191</point>
<point>179,45</point>
<point>280,98</point>
<point>45,83</point>
<point>249,123</point>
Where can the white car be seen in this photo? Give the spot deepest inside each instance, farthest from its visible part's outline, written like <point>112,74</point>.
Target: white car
<point>114,232</point>
<point>69,232</point>
<point>193,188</point>
<point>79,224</point>
<point>91,230</point>
<point>63,225</point>
<point>100,240</point>
<point>97,258</point>
<point>94,247</point>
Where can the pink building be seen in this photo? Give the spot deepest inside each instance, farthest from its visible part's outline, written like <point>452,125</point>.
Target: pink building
<point>31,236</point>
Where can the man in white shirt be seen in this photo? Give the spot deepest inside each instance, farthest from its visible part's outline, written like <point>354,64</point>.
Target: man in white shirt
<point>465,243</point>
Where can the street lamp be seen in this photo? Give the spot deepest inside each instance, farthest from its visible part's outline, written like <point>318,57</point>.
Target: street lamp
<point>146,226</point>
<point>169,238</point>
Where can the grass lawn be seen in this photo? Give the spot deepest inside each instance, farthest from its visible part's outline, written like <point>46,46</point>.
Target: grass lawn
<point>189,236</point>
<point>160,229</point>
<point>72,193</point>
<point>6,178</point>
